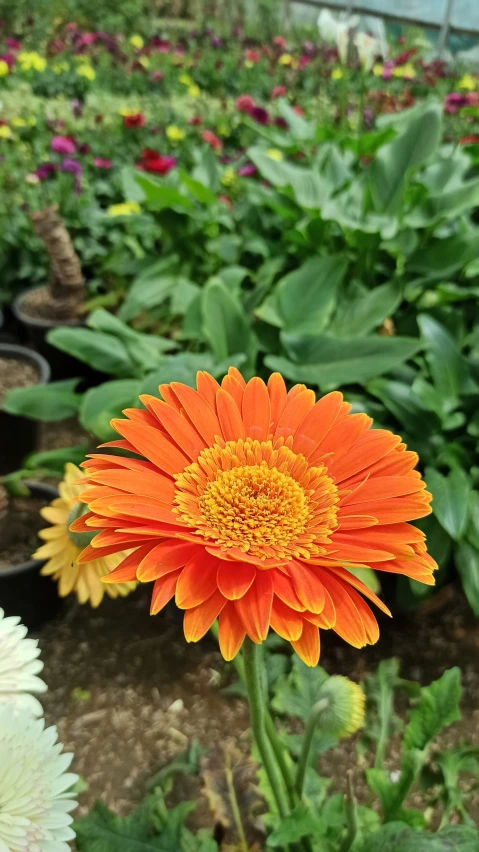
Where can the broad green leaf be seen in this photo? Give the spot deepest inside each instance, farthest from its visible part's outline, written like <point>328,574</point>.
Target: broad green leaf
<point>131,189</point>
<point>448,368</point>
<point>106,401</point>
<point>184,366</point>
<point>298,126</point>
<point>299,823</point>
<point>225,324</point>
<point>410,149</point>
<point>447,204</point>
<point>466,558</point>
<point>331,362</point>
<point>144,350</point>
<point>297,692</point>
<point>103,352</point>
<point>407,407</point>
<point>160,196</point>
<point>304,299</point>
<point>398,837</point>
<point>184,293</point>
<point>197,189</point>
<point>308,188</point>
<point>437,708</point>
<point>442,258</point>
<point>392,794</point>
<point>367,311</point>
<point>149,290</point>
<point>55,401</point>
<point>450,499</point>
<point>56,460</point>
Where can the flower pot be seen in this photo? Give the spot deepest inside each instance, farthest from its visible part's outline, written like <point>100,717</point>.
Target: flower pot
<point>23,590</point>
<point>18,435</point>
<point>34,330</point>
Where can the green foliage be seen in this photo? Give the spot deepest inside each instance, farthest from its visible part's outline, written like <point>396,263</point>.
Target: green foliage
<point>397,837</point>
<point>54,401</point>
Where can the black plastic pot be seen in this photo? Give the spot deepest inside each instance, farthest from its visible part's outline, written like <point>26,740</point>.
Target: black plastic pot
<point>18,435</point>
<point>23,590</point>
<point>33,330</point>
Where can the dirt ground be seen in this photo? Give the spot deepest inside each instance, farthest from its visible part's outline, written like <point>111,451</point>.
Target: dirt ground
<point>127,692</point>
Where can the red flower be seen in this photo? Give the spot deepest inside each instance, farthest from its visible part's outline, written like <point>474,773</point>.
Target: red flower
<point>195,120</point>
<point>211,138</point>
<point>260,115</point>
<point>137,120</point>
<point>469,140</point>
<point>278,92</point>
<point>225,200</point>
<point>101,163</point>
<point>252,55</point>
<point>157,76</point>
<point>245,103</point>
<point>280,41</point>
<point>298,110</point>
<point>153,161</point>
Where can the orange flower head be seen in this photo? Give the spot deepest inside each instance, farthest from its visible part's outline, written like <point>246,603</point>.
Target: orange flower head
<point>254,505</point>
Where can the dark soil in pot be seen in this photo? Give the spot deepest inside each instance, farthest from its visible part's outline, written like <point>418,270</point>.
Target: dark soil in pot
<point>23,591</point>
<point>19,367</point>
<point>37,311</point>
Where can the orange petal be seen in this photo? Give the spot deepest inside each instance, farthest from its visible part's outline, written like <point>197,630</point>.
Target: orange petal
<point>294,414</point>
<point>318,422</point>
<point>129,506</point>
<point>349,624</point>
<point>200,413</point>
<point>343,574</point>
<point>308,586</point>
<point>234,373</point>
<point>235,389</point>
<point>231,632</point>
<point>169,396</point>
<point>277,396</point>
<point>307,646</point>
<point>285,621</point>
<point>89,553</point>
<point>363,454</point>
<point>284,589</point>
<point>197,580</point>
<point>80,524</point>
<point>235,578</point>
<point>167,556</point>
<point>207,387</point>
<point>107,461</point>
<point>254,607</point>
<point>295,390</point>
<point>198,620</point>
<point>163,591</point>
<point>177,427</point>
<point>153,444</point>
<point>327,618</point>
<point>229,417</point>
<point>144,483</point>
<point>140,416</point>
<point>256,410</point>
<point>125,572</point>
<point>344,435</point>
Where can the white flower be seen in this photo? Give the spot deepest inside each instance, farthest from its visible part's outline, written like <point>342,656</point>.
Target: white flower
<point>368,48</point>
<point>35,803</point>
<point>19,666</point>
<point>336,28</point>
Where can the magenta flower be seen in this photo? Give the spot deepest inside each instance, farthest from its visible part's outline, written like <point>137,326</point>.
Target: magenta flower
<point>260,115</point>
<point>248,170</point>
<point>45,170</point>
<point>101,163</point>
<point>63,145</point>
<point>71,166</point>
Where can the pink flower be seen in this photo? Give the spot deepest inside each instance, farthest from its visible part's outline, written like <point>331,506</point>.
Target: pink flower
<point>252,55</point>
<point>225,200</point>
<point>245,103</point>
<point>13,43</point>
<point>157,76</point>
<point>304,61</point>
<point>278,92</point>
<point>101,163</point>
<point>63,145</point>
<point>211,138</point>
<point>280,41</point>
<point>248,170</point>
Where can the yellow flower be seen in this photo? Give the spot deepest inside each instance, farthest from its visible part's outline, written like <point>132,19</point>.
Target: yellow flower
<point>4,69</point>
<point>31,60</point>
<point>249,63</point>
<point>285,59</point>
<point>378,69</point>
<point>406,70</point>
<point>229,177</point>
<point>63,547</point>
<point>185,79</point>
<point>126,208</point>
<point>18,122</point>
<point>86,71</point>
<point>174,133</point>
<point>60,67</point>
<point>274,154</point>
<point>337,74</point>
<point>194,91</point>
<point>143,60</point>
<point>342,706</point>
<point>126,111</point>
<point>136,41</point>
<point>467,81</point>
<point>5,132</point>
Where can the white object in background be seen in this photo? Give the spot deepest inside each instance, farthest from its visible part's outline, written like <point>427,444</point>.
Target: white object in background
<point>336,29</point>
<point>35,801</point>
<point>368,48</point>
<point>19,667</point>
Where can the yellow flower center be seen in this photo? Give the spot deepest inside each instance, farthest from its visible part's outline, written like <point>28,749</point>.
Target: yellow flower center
<point>259,498</point>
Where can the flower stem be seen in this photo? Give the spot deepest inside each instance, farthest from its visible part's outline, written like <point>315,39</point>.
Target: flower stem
<point>303,761</point>
<point>351,814</point>
<point>256,703</point>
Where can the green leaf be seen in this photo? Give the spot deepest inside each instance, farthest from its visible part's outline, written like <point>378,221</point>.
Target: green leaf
<point>143,349</point>
<point>184,367</point>
<point>451,204</point>
<point>450,499</point>
<point>299,823</point>
<point>225,324</point>
<point>103,352</point>
<point>392,794</point>
<point>466,558</point>
<point>308,188</point>
<point>410,149</point>
<point>398,837</point>
<point>442,258</point>
<point>55,401</point>
<point>406,406</point>
<point>367,311</point>
<point>106,401</point>
<point>197,189</point>
<point>55,460</point>
<point>438,707</point>
<point>149,290</point>
<point>160,196</point>
<point>448,368</point>
<point>304,299</point>
<point>131,189</point>
<point>330,362</point>
<point>297,692</point>
<point>297,125</point>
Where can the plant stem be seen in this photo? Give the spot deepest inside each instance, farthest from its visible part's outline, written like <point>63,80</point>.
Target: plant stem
<point>351,814</point>
<point>256,703</point>
<point>303,761</point>
<point>234,805</point>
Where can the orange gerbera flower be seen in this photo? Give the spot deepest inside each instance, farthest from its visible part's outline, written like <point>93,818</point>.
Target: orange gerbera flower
<point>251,503</point>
